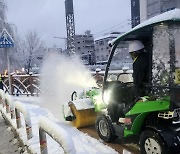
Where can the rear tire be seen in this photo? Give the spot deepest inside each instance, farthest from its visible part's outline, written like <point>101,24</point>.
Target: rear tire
<point>152,143</point>
<point>105,129</point>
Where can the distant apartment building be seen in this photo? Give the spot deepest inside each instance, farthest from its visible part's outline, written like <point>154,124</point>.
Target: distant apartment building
<point>84,45</point>
<point>54,49</point>
<point>102,48</point>
<point>144,9</point>
<point>42,53</point>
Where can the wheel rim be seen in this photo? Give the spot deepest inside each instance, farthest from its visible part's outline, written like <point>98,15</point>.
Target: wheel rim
<point>152,146</point>
<point>103,128</point>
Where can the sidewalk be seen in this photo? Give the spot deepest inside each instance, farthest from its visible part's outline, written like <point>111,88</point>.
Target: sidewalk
<point>8,144</point>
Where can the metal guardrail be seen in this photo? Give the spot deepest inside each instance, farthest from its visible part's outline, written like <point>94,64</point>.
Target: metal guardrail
<point>2,97</point>
<point>53,130</point>
<point>59,135</point>
<point>22,84</point>
<point>9,105</point>
<point>7,102</point>
<point>20,108</point>
<point>28,84</point>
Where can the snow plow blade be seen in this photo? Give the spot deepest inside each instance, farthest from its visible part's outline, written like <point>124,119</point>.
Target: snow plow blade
<point>85,117</point>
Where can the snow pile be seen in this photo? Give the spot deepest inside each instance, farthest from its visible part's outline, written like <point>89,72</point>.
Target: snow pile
<point>82,104</point>
<point>61,76</point>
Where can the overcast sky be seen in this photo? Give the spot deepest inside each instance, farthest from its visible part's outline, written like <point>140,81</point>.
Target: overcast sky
<point>47,17</point>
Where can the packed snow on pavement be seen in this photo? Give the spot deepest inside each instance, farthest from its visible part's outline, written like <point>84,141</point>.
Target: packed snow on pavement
<point>8,144</point>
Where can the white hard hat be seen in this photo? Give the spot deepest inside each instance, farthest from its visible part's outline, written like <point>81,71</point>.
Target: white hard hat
<point>98,69</point>
<point>135,46</point>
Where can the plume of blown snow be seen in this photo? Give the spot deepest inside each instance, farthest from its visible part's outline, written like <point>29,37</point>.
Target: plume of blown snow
<point>60,77</point>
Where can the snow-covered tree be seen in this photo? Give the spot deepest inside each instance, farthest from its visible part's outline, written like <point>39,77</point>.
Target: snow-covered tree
<point>11,28</point>
<point>26,52</point>
<point>33,50</point>
<point>2,10</point>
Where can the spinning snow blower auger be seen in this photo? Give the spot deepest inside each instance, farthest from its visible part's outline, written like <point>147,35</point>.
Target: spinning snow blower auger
<point>83,108</point>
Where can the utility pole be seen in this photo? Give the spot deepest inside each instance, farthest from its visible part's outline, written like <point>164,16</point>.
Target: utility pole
<point>70,26</point>
<point>7,42</point>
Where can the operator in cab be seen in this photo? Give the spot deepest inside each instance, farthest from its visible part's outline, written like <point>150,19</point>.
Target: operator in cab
<point>140,59</point>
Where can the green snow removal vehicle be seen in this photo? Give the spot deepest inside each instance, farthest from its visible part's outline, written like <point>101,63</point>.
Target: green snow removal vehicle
<point>154,118</point>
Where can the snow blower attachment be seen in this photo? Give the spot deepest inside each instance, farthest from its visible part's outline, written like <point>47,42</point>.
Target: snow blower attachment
<point>84,117</point>
<point>83,107</point>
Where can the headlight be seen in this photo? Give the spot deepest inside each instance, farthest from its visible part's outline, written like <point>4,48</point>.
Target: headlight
<point>107,96</point>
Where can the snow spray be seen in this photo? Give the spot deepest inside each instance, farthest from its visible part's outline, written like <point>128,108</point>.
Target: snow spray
<point>60,77</point>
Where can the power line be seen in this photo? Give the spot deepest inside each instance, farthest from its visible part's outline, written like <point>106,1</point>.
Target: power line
<point>111,28</point>
<point>120,25</point>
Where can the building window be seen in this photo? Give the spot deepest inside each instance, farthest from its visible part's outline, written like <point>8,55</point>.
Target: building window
<point>101,42</point>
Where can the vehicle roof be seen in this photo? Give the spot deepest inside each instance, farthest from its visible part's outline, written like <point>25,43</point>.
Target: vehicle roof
<point>146,27</point>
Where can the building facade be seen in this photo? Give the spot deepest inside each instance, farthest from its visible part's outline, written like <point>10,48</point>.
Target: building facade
<point>135,12</point>
<point>102,48</point>
<point>84,47</point>
<point>142,10</point>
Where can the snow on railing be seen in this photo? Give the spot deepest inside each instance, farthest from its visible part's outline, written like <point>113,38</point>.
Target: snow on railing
<point>2,97</point>
<point>19,107</point>
<point>22,84</point>
<point>57,133</point>
<point>9,105</point>
<point>45,125</point>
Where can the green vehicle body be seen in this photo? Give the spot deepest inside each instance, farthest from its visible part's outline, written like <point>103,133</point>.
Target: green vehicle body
<point>143,109</point>
<point>148,116</point>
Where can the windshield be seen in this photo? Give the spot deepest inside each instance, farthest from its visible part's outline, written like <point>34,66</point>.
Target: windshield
<point>121,58</point>
<point>120,68</point>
